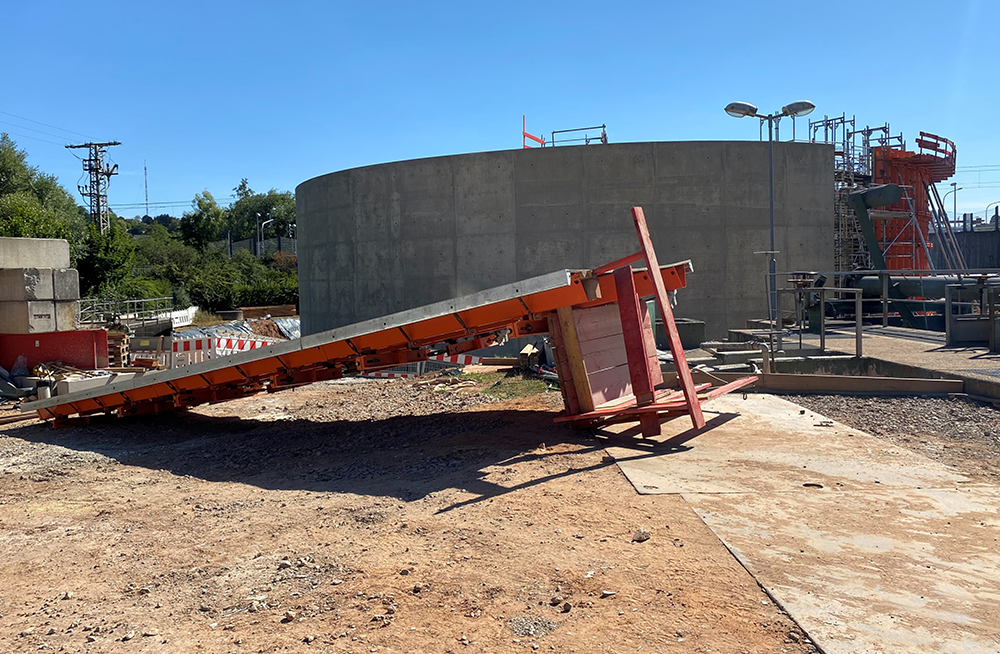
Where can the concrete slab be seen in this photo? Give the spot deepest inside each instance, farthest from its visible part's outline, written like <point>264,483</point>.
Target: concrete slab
<point>870,547</point>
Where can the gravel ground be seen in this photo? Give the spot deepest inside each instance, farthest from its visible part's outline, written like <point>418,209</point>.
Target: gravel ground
<point>958,432</point>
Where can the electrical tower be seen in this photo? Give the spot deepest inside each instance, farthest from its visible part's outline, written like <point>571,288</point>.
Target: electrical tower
<point>100,176</point>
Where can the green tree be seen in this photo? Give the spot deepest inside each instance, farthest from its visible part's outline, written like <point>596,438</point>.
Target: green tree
<point>108,260</point>
<point>251,209</point>
<point>204,223</point>
<point>33,204</point>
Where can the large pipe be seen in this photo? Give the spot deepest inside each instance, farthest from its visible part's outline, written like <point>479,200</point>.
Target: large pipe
<point>931,286</point>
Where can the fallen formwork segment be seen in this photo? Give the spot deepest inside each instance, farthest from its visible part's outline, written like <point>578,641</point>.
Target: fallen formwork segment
<point>452,327</point>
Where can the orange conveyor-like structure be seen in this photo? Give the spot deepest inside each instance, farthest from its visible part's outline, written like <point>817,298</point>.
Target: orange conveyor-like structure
<point>529,307</point>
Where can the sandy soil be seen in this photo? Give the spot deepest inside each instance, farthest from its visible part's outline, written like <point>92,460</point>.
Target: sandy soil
<point>369,517</point>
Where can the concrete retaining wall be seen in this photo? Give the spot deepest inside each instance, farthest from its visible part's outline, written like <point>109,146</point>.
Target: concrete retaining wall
<point>390,237</point>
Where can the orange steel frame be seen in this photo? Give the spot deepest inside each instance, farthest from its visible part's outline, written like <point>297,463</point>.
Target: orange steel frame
<point>934,162</point>
<point>454,333</point>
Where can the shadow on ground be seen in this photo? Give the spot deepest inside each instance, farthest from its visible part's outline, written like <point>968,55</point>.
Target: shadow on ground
<point>406,457</point>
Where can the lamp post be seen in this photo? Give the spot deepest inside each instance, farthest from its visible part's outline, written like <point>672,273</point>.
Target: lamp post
<point>986,214</point>
<point>741,109</point>
<point>263,226</point>
<point>256,236</point>
<point>954,212</point>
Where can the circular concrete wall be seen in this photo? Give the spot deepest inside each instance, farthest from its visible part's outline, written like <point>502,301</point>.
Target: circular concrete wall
<point>384,238</point>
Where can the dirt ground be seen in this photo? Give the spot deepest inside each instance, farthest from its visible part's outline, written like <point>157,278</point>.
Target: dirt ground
<point>365,517</point>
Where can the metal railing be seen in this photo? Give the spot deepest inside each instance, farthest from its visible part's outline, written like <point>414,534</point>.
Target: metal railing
<point>96,311</point>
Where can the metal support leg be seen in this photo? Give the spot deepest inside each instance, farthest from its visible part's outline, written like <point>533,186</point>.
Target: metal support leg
<point>858,333</point>
<point>885,299</point>
<point>822,320</point>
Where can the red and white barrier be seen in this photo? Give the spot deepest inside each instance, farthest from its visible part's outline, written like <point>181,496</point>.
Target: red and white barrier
<point>390,375</point>
<point>194,350</point>
<point>224,346</point>
<point>463,359</point>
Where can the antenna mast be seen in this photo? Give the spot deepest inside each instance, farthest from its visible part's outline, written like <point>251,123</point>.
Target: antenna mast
<point>100,176</point>
<point>145,183</point>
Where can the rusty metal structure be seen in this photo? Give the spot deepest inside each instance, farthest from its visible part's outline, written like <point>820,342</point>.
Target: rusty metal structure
<point>626,360</point>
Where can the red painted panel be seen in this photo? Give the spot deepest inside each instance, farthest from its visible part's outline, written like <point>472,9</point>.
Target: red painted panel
<point>85,349</point>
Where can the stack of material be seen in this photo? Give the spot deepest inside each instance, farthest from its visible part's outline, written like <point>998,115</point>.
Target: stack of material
<point>118,347</point>
<point>39,292</point>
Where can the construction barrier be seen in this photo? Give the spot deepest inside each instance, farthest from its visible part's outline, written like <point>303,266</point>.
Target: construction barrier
<point>195,350</point>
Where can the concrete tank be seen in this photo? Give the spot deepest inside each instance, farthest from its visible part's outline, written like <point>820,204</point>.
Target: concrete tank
<point>384,238</point>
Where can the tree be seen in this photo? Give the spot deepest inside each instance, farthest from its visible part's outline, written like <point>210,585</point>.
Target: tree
<point>244,212</point>
<point>108,260</point>
<point>204,224</point>
<point>33,204</point>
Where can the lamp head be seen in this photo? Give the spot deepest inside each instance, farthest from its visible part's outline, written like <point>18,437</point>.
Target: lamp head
<point>800,108</point>
<point>741,109</point>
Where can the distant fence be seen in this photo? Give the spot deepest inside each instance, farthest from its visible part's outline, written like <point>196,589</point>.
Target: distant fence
<point>980,249</point>
<point>266,247</point>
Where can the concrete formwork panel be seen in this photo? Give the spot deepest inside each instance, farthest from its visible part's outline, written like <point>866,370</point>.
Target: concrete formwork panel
<point>386,238</point>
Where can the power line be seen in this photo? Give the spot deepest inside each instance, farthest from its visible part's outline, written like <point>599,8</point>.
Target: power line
<point>38,122</point>
<point>33,138</point>
<point>31,129</point>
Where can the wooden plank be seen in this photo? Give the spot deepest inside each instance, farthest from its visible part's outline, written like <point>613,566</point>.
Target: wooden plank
<point>663,304</point>
<point>609,384</point>
<point>649,344</point>
<point>636,347</point>
<point>638,336</point>
<point>605,359</point>
<point>618,263</point>
<point>562,365</point>
<point>608,343</point>
<point>597,322</point>
<point>577,370</point>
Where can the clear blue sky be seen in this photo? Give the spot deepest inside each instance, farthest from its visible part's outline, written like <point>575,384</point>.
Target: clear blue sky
<point>210,92</point>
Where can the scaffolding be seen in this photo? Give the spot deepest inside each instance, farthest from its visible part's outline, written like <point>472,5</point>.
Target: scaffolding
<point>869,156</point>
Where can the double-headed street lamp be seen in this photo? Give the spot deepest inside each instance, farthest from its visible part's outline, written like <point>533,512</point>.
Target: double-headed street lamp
<point>741,109</point>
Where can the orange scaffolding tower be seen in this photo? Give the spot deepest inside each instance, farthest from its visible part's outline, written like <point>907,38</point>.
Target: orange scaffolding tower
<point>903,229</point>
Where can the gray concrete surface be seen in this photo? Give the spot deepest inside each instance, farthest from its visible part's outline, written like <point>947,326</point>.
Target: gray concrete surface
<point>33,253</point>
<point>385,238</point>
<point>23,284</point>
<point>65,284</point>
<point>870,547</point>
<point>67,315</point>
<point>32,317</point>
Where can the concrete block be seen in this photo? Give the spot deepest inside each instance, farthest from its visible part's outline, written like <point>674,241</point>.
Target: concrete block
<point>67,315</point>
<point>23,284</point>
<point>34,253</point>
<point>65,284</point>
<point>73,385</point>
<point>27,317</point>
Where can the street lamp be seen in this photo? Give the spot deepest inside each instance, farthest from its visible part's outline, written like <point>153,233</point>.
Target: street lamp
<point>954,211</point>
<point>986,214</point>
<point>263,226</point>
<point>741,109</point>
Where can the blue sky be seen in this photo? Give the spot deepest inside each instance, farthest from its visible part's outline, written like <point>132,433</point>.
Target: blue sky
<point>207,93</point>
